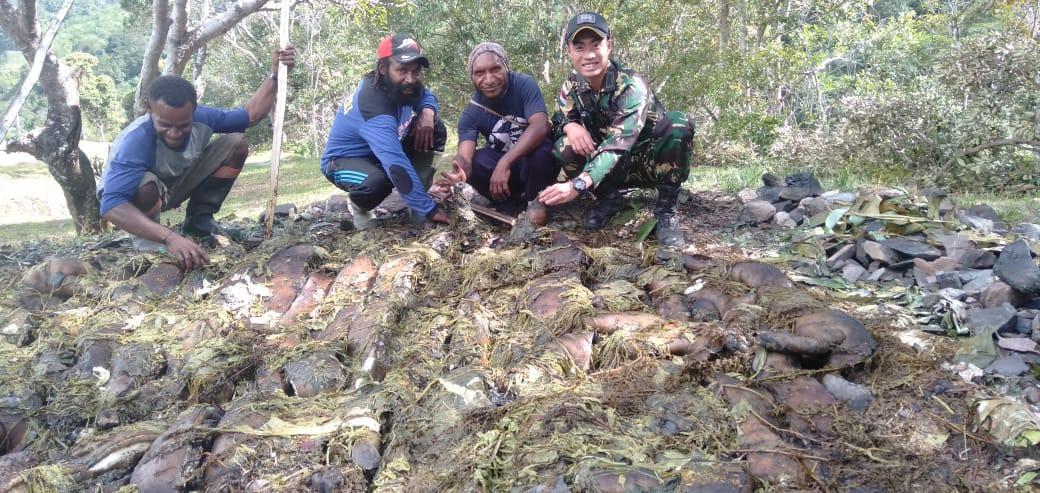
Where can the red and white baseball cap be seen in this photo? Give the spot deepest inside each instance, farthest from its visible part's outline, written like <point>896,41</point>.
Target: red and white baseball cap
<point>403,48</point>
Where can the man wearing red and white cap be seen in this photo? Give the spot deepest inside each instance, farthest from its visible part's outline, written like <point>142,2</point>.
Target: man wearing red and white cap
<point>385,136</point>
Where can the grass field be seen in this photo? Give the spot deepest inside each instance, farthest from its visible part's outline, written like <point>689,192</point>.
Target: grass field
<point>36,210</point>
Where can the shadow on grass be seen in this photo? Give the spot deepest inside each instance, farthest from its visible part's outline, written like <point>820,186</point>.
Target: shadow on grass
<point>58,229</point>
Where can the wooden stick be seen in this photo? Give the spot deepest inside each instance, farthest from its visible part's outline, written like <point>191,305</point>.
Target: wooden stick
<point>493,214</point>
<point>279,120</point>
<point>34,71</point>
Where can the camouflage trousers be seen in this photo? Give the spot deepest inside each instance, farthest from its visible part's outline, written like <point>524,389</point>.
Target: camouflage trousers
<point>663,159</point>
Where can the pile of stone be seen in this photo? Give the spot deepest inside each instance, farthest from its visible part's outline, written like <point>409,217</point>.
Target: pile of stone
<point>790,203</point>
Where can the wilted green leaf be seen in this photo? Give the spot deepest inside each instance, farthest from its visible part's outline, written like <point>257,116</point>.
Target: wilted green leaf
<point>1027,478</point>
<point>645,229</point>
<point>1010,421</point>
<point>833,218</point>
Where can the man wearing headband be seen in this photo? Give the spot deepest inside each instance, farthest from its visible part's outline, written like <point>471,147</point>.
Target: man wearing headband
<point>613,133</point>
<point>508,110</point>
<point>385,136</point>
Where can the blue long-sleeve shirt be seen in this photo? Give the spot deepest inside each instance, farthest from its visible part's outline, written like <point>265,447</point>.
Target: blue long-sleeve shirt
<point>139,149</point>
<point>372,124</point>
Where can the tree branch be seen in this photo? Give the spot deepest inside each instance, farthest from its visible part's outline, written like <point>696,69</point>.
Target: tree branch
<point>34,71</point>
<point>9,22</point>
<point>989,145</point>
<point>152,51</point>
<point>175,37</point>
<point>217,26</point>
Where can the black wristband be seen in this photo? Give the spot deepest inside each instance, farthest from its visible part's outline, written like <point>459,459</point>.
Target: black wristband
<point>273,76</point>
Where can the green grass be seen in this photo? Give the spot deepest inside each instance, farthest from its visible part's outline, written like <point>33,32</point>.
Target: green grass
<point>299,182</point>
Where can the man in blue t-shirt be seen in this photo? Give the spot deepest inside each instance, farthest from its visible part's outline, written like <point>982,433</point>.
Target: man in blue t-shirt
<point>165,157</point>
<point>376,142</point>
<point>508,110</point>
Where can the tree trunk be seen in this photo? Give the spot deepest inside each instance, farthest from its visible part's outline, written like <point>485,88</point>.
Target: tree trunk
<point>724,25</point>
<point>57,143</point>
<point>176,44</point>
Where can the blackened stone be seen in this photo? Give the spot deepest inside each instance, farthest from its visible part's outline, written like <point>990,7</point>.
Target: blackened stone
<point>785,205</point>
<point>955,244</point>
<point>1016,267</point>
<point>1031,394</point>
<point>337,204</point>
<point>977,259</point>
<point>770,180</point>
<point>852,272</point>
<point>980,224</point>
<point>976,281</point>
<point>903,265</point>
<point>1024,325</point>
<point>986,212</point>
<point>983,211</point>
<point>879,252</point>
<point>844,253</point>
<point>947,280</point>
<point>1001,318</point>
<point>1027,230</point>
<point>912,248</point>
<point>769,194</point>
<point>872,226</point>
<point>806,181</point>
<point>1009,366</point>
<point>797,214</point>
<point>795,194</point>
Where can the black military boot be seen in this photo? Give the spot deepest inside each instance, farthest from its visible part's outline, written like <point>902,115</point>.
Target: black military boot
<point>668,233</point>
<point>205,201</point>
<point>608,203</point>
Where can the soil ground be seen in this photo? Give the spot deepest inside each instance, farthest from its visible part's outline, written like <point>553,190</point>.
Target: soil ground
<point>455,362</point>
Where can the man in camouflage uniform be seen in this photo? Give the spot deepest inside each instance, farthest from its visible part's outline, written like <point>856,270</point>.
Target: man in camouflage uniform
<point>613,133</point>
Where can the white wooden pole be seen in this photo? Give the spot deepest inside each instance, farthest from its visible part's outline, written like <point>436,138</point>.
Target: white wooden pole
<point>279,120</point>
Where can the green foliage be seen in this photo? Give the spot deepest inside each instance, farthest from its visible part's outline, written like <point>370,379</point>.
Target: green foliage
<point>907,89</point>
<point>99,99</point>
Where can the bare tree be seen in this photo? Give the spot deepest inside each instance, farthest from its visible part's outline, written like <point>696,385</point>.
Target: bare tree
<point>175,43</point>
<point>57,142</point>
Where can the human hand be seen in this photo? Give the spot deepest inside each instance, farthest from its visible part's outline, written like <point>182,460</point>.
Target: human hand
<point>285,55</point>
<point>423,131</point>
<point>459,172</point>
<point>189,255</point>
<point>500,181</point>
<point>579,139</point>
<point>560,193</point>
<point>440,191</point>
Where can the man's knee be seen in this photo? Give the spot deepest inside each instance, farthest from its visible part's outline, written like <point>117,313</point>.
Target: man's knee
<point>147,199</point>
<point>239,153</point>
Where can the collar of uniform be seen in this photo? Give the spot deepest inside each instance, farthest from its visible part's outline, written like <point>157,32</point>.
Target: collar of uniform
<point>609,80</point>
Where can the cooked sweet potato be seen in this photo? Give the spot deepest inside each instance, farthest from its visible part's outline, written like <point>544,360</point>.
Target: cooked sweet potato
<point>853,341</point>
<point>608,322</point>
<point>758,275</point>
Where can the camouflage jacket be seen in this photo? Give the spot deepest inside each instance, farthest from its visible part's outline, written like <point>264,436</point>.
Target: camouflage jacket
<point>621,117</point>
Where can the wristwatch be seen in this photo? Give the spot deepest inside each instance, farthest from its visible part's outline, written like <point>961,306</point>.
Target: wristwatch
<point>579,185</point>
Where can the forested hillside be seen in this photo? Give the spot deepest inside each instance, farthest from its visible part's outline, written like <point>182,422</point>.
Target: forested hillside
<point>933,91</point>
